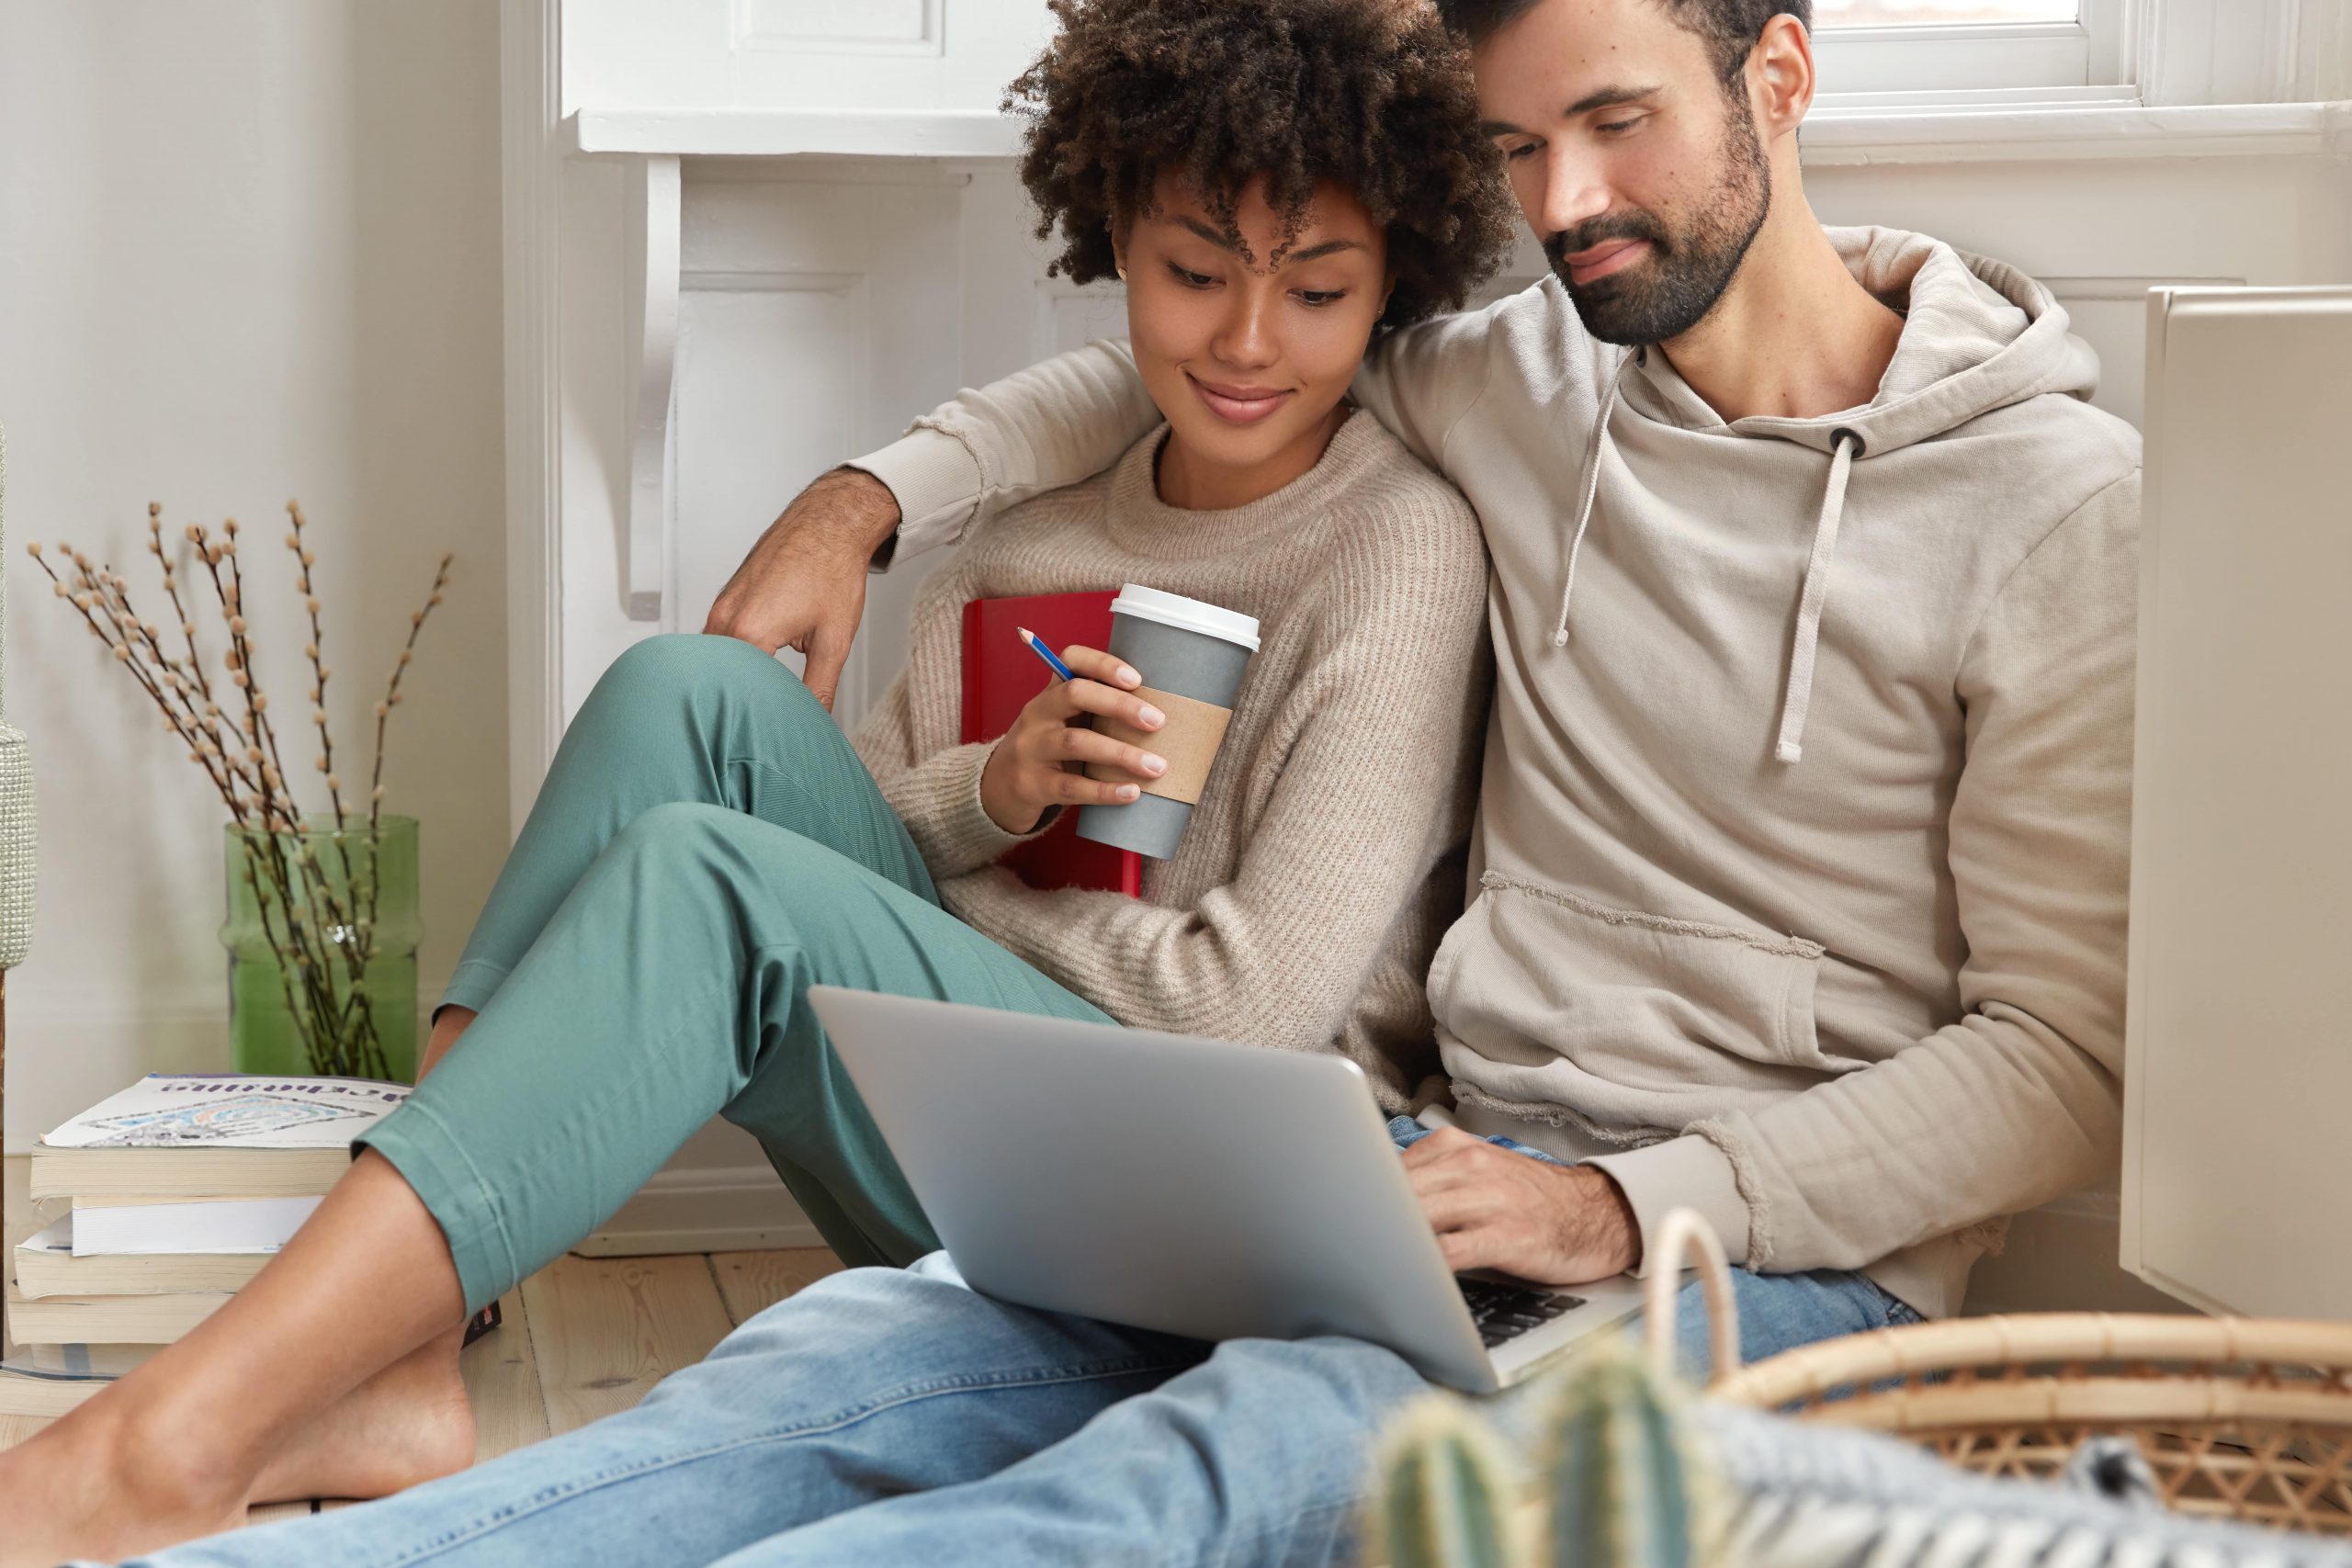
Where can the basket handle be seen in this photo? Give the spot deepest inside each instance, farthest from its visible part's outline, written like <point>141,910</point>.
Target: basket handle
<point>1681,1229</point>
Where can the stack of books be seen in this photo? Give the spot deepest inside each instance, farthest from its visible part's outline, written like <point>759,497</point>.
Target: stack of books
<point>162,1202</point>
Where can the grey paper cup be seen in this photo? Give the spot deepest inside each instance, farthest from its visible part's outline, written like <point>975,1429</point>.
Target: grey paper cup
<point>1178,644</point>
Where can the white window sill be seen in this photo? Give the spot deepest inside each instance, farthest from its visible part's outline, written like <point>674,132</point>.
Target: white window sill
<point>1934,133</point>
<point>785,133</point>
<point>1929,129</point>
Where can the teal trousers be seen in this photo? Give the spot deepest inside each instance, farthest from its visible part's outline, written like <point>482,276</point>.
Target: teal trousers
<point>706,846</point>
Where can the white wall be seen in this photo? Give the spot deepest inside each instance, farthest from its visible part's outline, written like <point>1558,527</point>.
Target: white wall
<point>248,250</point>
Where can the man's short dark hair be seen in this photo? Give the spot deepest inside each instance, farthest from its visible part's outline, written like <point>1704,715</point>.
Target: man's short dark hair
<point>1729,27</point>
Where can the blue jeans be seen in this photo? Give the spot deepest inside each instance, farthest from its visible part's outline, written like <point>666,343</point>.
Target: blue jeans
<point>896,1416</point>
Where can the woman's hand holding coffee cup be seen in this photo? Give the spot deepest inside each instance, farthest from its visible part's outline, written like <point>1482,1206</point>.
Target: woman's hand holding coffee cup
<point>1033,767</point>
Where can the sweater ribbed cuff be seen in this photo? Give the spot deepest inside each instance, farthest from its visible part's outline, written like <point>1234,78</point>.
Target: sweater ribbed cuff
<point>936,481</point>
<point>940,803</point>
<point>1688,1172</point>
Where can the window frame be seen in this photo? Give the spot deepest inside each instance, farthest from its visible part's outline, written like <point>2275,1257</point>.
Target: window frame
<point>2027,59</point>
<point>2159,54</point>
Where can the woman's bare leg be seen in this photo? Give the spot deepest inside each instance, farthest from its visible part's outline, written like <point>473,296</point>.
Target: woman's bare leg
<point>447,1024</point>
<point>407,1423</point>
<point>179,1446</point>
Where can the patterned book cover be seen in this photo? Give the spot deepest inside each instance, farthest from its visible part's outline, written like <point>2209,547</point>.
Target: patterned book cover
<point>230,1110</point>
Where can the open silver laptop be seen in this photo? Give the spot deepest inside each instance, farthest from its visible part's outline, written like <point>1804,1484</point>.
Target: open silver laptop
<point>1189,1186</point>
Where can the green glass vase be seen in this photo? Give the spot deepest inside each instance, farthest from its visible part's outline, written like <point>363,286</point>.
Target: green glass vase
<point>321,934</point>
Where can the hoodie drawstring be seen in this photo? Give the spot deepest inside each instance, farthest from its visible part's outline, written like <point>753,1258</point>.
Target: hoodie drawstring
<point>1799,698</point>
<point>1601,443</point>
<point>1846,445</point>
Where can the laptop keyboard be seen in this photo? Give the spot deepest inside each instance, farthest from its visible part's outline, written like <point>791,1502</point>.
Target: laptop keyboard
<point>1503,1313</point>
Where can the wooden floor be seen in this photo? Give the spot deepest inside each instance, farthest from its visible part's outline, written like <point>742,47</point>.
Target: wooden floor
<point>583,1338</point>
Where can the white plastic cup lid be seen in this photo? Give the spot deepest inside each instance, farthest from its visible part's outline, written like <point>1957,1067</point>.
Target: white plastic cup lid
<point>1189,614</point>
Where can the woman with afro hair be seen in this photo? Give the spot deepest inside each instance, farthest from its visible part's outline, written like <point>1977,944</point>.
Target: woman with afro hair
<point>1276,182</point>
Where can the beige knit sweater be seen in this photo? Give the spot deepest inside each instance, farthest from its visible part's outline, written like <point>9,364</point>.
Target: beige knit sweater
<point>1325,858</point>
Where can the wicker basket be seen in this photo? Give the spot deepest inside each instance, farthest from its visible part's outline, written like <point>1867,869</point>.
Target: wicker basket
<point>2239,1418</point>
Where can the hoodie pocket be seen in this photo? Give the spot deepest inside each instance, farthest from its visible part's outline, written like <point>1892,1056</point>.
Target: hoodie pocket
<point>1533,972</point>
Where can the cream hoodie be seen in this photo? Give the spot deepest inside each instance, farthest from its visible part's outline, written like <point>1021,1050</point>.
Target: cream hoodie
<point>1800,869</point>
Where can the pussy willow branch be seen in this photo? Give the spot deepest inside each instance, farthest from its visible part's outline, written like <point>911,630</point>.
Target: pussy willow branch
<point>102,590</point>
<point>83,596</point>
<point>357,931</point>
<point>312,910</point>
<point>392,690</point>
<point>262,783</point>
<point>105,590</point>
<point>168,676</point>
<point>374,884</point>
<point>317,653</point>
<point>257,724</point>
<point>294,1008</point>
<point>384,713</point>
<point>313,955</point>
<point>361,929</point>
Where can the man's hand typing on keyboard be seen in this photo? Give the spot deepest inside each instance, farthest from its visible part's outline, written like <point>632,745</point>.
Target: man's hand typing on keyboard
<point>1552,1225</point>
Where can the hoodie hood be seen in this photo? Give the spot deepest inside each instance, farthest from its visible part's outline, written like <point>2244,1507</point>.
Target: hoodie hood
<point>1978,335</point>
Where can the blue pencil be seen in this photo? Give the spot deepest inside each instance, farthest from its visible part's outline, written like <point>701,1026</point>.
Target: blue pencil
<point>1042,651</point>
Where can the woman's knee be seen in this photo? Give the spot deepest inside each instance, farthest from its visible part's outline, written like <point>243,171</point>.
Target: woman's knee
<point>765,876</point>
<point>693,845</point>
<point>698,836</point>
<point>685,672</point>
<point>676,832</point>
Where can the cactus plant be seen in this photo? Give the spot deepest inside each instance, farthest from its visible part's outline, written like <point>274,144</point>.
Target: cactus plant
<point>1446,1496</point>
<point>1624,1481</point>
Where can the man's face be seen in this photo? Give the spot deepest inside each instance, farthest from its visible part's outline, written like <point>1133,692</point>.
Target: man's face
<point>1644,180</point>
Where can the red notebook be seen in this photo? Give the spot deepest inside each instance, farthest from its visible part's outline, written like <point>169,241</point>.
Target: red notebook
<point>1000,676</point>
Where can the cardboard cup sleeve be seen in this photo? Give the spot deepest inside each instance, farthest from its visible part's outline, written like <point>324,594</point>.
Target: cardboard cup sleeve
<point>1189,740</point>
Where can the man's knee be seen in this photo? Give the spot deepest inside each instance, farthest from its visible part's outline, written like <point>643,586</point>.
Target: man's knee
<point>861,1311</point>
<point>834,1332</point>
<point>1308,1405</point>
<point>868,1335</point>
<point>1267,1446</point>
<point>1779,1312</point>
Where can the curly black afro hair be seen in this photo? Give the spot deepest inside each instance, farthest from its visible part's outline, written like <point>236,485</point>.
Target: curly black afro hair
<point>1373,96</point>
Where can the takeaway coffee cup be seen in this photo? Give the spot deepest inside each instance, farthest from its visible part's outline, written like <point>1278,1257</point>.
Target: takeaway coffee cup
<point>1191,656</point>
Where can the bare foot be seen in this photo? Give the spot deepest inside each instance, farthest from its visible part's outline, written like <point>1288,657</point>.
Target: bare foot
<point>409,1424</point>
<point>94,1485</point>
<point>111,1480</point>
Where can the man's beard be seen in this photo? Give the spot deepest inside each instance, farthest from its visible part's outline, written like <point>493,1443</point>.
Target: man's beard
<point>1670,291</point>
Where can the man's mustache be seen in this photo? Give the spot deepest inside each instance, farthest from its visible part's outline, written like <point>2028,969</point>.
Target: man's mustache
<point>1609,226</point>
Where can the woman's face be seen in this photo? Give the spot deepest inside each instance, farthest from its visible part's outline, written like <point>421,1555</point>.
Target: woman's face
<point>1250,359</point>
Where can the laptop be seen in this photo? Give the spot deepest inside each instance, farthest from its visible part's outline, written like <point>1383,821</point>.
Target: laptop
<point>1193,1187</point>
